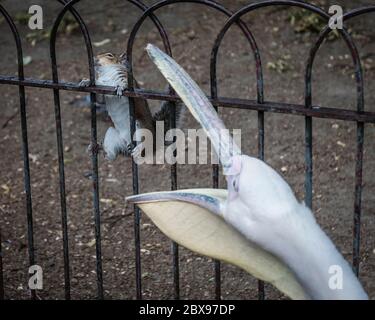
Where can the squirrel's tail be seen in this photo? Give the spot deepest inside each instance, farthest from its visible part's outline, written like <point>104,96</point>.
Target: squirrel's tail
<point>164,113</point>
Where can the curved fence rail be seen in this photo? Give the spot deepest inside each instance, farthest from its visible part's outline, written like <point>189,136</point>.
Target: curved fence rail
<point>308,111</point>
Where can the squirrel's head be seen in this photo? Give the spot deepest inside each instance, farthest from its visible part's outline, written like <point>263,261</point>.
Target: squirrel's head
<point>110,59</point>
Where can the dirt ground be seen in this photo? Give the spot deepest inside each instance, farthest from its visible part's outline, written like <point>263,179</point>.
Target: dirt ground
<point>192,30</point>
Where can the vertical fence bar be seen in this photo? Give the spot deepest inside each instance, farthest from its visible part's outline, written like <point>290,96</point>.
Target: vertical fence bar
<point>215,176</point>
<point>27,181</point>
<point>64,218</point>
<point>360,142</point>
<point>60,152</point>
<point>360,125</point>
<point>176,269</point>
<point>174,186</point>
<point>308,161</point>
<point>261,132</point>
<point>308,132</point>
<point>95,184</point>
<point>360,145</point>
<point>25,143</point>
<point>1,269</point>
<point>235,19</point>
<point>94,148</point>
<point>215,184</point>
<point>308,141</point>
<point>217,264</point>
<point>172,120</point>
<point>137,214</point>
<point>359,160</point>
<point>358,198</point>
<point>261,293</point>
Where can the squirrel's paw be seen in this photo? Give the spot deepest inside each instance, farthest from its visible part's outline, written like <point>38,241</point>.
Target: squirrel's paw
<point>98,147</point>
<point>120,88</point>
<point>85,83</point>
<point>137,151</point>
<point>127,151</point>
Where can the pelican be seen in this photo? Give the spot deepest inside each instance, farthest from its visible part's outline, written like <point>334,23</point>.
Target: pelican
<point>257,223</point>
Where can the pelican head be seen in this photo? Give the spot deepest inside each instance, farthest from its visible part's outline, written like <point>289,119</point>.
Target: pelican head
<point>257,217</point>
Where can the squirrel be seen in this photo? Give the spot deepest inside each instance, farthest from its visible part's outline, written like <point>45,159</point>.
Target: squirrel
<point>112,70</point>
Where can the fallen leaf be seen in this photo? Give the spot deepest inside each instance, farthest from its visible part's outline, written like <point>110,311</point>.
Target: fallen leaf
<point>67,160</point>
<point>145,251</point>
<point>106,200</point>
<point>33,157</point>
<point>112,180</point>
<point>5,188</point>
<point>91,243</point>
<point>27,60</point>
<point>101,43</point>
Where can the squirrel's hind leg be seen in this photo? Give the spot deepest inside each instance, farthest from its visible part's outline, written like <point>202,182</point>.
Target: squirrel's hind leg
<point>114,145</point>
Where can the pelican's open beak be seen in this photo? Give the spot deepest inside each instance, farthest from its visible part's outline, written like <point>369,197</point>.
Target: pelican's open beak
<point>193,219</point>
<point>200,107</point>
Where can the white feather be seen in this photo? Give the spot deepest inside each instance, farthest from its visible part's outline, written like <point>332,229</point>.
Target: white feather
<point>266,211</point>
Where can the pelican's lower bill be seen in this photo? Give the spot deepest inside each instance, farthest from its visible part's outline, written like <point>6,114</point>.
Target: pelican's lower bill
<point>192,219</point>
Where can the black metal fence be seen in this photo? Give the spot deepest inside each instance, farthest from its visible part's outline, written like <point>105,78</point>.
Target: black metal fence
<point>308,111</point>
